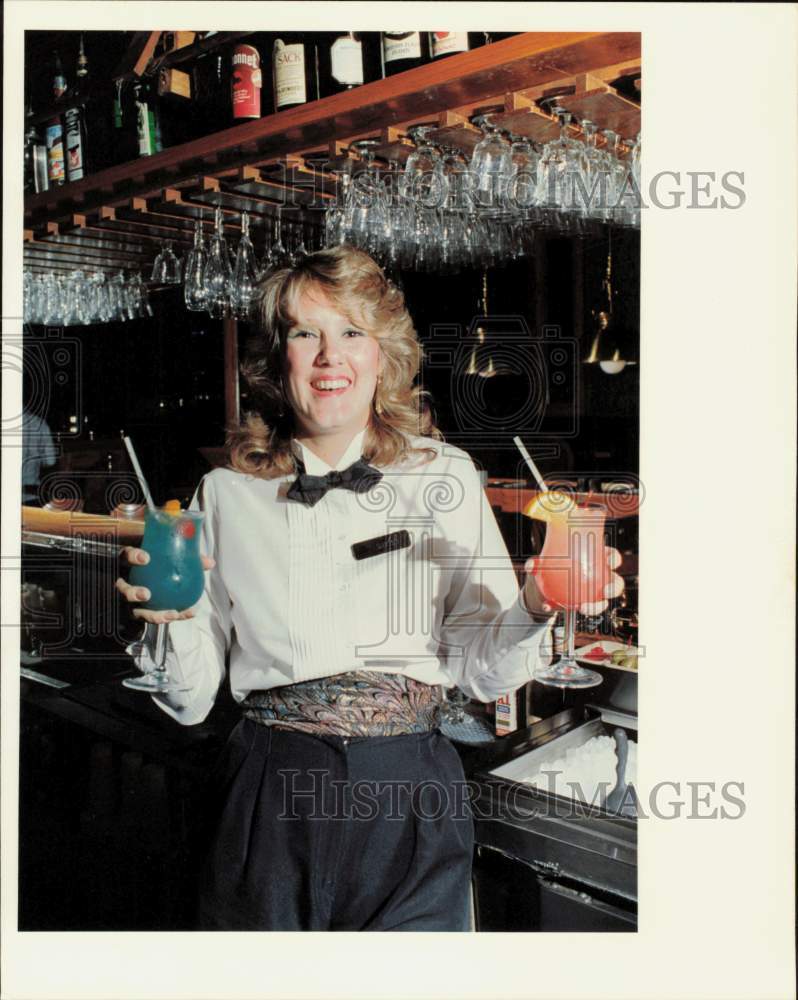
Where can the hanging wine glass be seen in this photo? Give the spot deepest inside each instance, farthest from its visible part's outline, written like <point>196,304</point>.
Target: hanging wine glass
<point>491,164</point>
<point>166,268</point>
<point>617,175</point>
<point>279,255</point>
<point>420,182</point>
<point>630,199</point>
<point>596,174</point>
<point>218,272</point>
<point>366,215</point>
<point>561,163</point>
<point>194,277</point>
<point>245,274</point>
<point>301,251</point>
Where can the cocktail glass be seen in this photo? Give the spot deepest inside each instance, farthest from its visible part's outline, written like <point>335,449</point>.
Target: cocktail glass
<point>571,571</point>
<point>175,579</point>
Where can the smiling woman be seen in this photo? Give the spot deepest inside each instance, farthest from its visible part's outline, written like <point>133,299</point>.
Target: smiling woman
<point>355,570</point>
<point>331,374</point>
<point>335,315</point>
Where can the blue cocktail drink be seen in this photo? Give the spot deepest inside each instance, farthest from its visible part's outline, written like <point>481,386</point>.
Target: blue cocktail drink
<point>174,574</point>
<point>174,577</point>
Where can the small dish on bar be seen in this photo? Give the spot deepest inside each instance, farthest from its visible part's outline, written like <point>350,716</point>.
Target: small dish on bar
<point>607,653</point>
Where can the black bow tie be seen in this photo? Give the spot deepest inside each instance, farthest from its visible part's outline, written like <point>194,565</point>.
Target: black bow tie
<point>359,477</point>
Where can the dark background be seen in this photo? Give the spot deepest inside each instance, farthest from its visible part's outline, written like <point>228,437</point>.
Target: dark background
<point>161,380</point>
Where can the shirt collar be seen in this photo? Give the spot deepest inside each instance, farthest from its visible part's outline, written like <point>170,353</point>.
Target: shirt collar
<point>315,466</point>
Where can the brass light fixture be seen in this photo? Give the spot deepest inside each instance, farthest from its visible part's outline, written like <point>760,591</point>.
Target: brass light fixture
<point>473,366</point>
<point>606,350</point>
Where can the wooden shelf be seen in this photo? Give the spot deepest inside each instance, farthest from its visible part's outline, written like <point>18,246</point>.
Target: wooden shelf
<point>286,159</point>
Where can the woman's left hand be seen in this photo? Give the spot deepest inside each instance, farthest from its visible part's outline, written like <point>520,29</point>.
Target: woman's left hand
<point>535,601</point>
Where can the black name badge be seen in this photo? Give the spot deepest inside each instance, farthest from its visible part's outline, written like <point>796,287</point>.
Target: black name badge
<point>378,546</point>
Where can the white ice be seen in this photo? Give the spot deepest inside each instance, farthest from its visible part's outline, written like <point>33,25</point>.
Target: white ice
<point>586,770</point>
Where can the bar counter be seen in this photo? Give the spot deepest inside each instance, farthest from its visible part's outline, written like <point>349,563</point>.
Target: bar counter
<point>111,800</point>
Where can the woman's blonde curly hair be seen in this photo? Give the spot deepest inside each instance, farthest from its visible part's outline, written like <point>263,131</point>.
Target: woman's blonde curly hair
<point>261,446</point>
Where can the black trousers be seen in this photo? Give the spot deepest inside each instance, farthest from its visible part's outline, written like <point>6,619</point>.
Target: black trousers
<point>327,833</point>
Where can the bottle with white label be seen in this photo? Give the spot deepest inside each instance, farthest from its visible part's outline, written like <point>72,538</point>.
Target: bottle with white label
<point>450,43</point>
<point>147,124</point>
<point>347,59</point>
<point>403,50</point>
<point>54,140</point>
<point>294,70</point>
<point>511,711</point>
<point>76,121</point>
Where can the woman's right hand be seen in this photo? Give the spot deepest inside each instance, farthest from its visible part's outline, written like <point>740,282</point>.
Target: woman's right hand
<point>138,557</point>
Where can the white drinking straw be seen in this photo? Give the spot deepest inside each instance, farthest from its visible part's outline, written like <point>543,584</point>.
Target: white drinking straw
<point>533,468</point>
<point>139,474</point>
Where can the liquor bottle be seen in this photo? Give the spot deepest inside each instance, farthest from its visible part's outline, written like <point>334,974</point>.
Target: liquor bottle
<point>176,109</point>
<point>29,177</point>
<point>124,144</point>
<point>245,83</point>
<point>75,121</point>
<point>295,70</point>
<point>147,127</point>
<point>211,91</point>
<point>403,50</point>
<point>35,155</point>
<point>511,712</point>
<point>347,59</point>
<point>59,80</point>
<point>54,140</point>
<point>449,43</point>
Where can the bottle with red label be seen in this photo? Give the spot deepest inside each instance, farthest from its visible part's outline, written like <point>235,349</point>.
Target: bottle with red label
<point>450,43</point>
<point>403,50</point>
<point>246,83</point>
<point>294,70</point>
<point>511,711</point>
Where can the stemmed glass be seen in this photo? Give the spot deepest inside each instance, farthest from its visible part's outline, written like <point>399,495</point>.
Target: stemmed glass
<point>194,281</point>
<point>597,174</point>
<point>423,187</point>
<point>629,198</point>
<point>458,203</point>
<point>300,250</point>
<point>166,268</point>
<point>277,254</point>
<point>245,274</point>
<point>138,300</point>
<point>334,225</point>
<point>561,164</point>
<point>617,175</point>
<point>571,571</point>
<point>422,181</point>
<point>366,212</point>
<point>175,579</point>
<point>218,272</point>
<point>453,708</point>
<point>520,196</point>
<point>492,166</point>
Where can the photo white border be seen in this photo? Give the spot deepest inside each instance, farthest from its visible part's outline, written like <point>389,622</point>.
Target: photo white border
<point>717,551</point>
